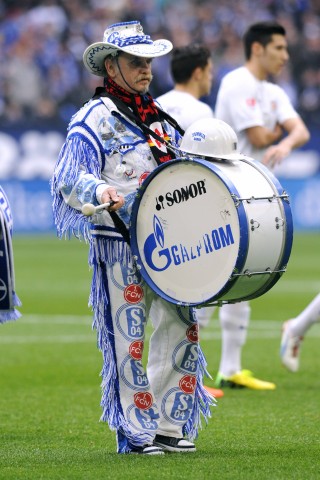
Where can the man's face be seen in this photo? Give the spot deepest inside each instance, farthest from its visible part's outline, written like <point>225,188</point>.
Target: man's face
<point>274,55</point>
<point>131,73</point>
<point>206,80</point>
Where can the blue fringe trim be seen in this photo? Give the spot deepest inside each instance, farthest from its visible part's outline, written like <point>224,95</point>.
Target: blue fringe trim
<point>11,315</point>
<point>202,402</point>
<point>70,222</point>
<point>99,301</point>
<point>110,251</point>
<point>16,300</point>
<point>78,152</point>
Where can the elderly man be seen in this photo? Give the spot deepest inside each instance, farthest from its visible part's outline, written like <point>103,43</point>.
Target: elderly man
<point>113,142</point>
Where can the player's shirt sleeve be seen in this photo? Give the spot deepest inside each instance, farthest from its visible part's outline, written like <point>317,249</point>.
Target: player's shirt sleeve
<point>285,109</point>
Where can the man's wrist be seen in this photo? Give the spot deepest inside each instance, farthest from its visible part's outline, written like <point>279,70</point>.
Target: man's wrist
<point>99,191</point>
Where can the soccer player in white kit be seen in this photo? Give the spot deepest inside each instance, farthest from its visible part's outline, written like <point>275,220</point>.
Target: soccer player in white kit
<point>261,113</point>
<point>192,73</point>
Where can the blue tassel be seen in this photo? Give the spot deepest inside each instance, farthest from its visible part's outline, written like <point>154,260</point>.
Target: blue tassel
<point>70,222</point>
<point>16,300</point>
<point>10,315</point>
<point>110,251</point>
<point>81,153</point>
<point>202,401</point>
<point>110,403</point>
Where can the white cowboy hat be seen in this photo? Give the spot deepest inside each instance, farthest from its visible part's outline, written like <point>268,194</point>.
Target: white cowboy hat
<point>127,37</point>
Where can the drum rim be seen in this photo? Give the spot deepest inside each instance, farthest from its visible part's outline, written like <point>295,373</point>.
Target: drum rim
<point>243,228</point>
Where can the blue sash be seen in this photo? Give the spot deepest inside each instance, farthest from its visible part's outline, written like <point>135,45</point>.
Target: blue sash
<point>8,297</point>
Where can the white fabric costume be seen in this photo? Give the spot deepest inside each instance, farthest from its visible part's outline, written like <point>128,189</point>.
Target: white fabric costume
<point>168,398</point>
<point>243,101</point>
<point>184,108</point>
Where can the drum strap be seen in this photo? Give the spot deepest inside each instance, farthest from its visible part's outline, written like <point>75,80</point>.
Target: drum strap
<point>120,225</point>
<point>125,110</point>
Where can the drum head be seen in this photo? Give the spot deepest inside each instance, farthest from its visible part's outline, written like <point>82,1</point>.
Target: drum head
<point>187,234</point>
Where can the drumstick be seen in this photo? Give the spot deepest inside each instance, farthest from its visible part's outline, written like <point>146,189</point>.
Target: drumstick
<point>89,209</point>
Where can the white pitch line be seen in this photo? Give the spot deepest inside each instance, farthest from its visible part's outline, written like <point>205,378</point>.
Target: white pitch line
<point>88,338</point>
<point>57,319</point>
<point>22,339</point>
<point>295,286</point>
<point>256,335</point>
<point>258,329</point>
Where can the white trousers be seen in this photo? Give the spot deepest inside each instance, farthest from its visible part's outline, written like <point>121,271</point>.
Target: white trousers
<point>159,399</point>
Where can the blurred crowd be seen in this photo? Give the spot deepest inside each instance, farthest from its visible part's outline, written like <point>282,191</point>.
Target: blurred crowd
<point>42,77</point>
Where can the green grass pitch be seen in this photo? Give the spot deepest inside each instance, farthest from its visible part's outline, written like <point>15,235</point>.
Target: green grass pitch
<point>50,384</point>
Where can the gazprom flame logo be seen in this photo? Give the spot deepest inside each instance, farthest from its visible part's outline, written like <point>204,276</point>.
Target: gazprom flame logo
<point>158,231</point>
<point>159,258</point>
<point>153,242</point>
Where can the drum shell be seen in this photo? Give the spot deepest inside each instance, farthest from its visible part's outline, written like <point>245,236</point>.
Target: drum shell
<point>270,227</point>
<point>245,192</point>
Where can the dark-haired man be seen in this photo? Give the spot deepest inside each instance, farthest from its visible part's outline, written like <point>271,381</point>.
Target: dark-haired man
<point>261,113</point>
<point>191,70</point>
<point>258,110</point>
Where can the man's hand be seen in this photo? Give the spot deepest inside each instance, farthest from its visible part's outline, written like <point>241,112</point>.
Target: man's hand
<point>275,154</point>
<point>298,135</point>
<point>110,195</point>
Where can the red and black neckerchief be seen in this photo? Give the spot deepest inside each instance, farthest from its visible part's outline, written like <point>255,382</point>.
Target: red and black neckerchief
<point>142,110</point>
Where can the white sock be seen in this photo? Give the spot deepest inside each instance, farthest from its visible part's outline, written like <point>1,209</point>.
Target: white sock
<point>203,315</point>
<point>308,316</point>
<point>234,320</point>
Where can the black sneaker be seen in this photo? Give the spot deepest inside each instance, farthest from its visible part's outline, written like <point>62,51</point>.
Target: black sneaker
<point>148,450</point>
<point>172,444</point>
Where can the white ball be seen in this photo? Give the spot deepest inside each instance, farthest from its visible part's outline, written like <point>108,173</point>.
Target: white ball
<point>88,209</point>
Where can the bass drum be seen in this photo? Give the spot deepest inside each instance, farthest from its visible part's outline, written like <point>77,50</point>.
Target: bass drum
<point>206,232</point>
